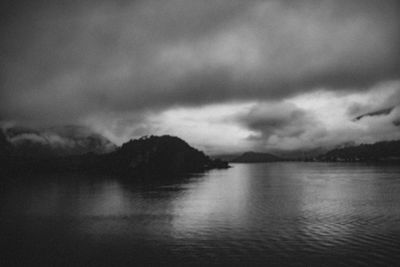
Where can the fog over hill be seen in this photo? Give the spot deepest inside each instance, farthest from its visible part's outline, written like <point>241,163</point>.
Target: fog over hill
<point>55,141</point>
<point>147,156</point>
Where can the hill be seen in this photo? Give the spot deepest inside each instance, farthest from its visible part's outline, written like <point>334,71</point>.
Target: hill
<point>154,155</point>
<point>5,146</point>
<point>160,154</point>
<point>381,151</point>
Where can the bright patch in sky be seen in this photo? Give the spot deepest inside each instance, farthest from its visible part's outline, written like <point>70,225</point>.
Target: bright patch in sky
<point>209,127</point>
<point>320,118</point>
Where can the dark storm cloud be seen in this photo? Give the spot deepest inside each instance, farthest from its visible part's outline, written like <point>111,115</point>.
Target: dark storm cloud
<point>381,112</point>
<point>281,125</point>
<point>63,61</point>
<point>387,105</point>
<point>277,119</point>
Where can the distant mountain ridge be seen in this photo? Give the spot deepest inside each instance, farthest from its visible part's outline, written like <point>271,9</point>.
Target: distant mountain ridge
<point>251,156</point>
<point>74,148</point>
<point>347,152</point>
<point>380,151</point>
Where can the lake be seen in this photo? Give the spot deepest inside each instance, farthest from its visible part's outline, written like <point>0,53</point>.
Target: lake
<point>266,214</point>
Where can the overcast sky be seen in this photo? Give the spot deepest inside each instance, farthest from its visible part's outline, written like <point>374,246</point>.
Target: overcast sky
<point>225,75</point>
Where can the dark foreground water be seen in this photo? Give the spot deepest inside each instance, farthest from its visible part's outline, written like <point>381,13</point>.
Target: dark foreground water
<point>281,214</point>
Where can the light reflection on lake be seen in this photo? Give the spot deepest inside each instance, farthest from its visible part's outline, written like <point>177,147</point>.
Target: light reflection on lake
<point>281,213</point>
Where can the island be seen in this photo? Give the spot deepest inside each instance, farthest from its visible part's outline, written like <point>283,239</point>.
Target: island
<point>147,156</point>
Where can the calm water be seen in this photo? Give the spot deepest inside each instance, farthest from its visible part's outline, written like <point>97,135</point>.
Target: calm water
<point>297,214</point>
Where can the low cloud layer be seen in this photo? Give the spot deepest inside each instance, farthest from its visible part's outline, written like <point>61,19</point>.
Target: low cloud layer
<point>324,120</point>
<point>117,65</point>
<point>281,125</point>
<point>60,141</point>
<point>314,121</point>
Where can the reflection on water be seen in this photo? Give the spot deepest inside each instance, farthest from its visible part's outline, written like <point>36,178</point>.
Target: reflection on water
<point>297,214</point>
<point>210,202</point>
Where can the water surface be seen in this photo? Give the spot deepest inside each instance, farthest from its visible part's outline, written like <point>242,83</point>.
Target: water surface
<point>282,214</point>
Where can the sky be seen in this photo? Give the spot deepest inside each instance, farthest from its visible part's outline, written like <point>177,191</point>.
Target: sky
<point>225,75</point>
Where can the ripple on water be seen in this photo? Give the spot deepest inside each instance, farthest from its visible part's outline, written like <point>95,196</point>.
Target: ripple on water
<point>278,214</point>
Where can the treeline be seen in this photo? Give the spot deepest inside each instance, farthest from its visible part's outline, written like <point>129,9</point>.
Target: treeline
<point>381,151</point>
<point>153,155</point>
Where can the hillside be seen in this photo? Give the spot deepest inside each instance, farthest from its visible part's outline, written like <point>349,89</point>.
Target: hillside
<point>381,151</point>
<point>154,155</point>
<point>160,154</point>
<point>5,146</point>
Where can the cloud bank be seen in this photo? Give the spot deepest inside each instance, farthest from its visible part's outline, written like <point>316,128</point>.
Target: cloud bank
<point>123,63</point>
